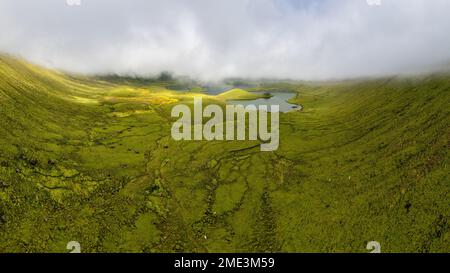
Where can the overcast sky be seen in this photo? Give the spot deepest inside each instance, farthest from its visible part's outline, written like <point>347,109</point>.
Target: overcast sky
<point>213,39</point>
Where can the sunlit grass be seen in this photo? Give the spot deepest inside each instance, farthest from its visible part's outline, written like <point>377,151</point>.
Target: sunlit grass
<point>93,161</point>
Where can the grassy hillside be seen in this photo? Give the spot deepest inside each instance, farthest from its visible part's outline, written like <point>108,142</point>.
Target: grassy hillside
<point>93,161</point>
<point>240,94</point>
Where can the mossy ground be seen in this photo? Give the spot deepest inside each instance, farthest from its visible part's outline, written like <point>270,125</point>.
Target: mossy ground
<point>93,161</point>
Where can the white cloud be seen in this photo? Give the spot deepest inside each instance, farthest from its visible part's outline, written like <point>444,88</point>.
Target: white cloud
<point>302,39</point>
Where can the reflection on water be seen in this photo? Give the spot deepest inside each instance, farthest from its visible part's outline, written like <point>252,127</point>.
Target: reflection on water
<point>278,98</point>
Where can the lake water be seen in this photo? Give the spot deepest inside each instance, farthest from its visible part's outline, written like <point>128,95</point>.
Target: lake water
<point>278,98</point>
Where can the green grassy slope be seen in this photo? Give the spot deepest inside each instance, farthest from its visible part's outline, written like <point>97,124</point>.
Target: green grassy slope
<point>373,161</point>
<point>94,162</point>
<point>240,94</point>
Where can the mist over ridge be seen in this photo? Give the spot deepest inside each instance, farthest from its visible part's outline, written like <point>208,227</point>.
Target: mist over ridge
<point>212,40</point>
